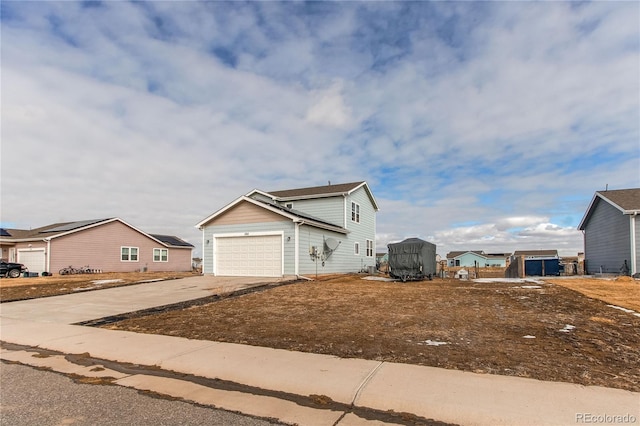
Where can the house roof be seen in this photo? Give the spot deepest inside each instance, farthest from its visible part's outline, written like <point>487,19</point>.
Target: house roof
<point>324,190</point>
<point>454,254</point>
<point>51,230</point>
<point>535,253</point>
<point>56,230</point>
<point>625,200</point>
<point>171,240</point>
<point>331,190</point>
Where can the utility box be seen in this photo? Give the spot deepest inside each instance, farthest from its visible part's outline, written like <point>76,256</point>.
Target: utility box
<point>412,259</point>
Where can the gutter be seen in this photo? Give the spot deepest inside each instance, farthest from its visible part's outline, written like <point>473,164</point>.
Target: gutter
<point>634,255</point>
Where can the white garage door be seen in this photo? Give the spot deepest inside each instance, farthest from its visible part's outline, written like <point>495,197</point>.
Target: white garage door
<point>252,256</point>
<point>32,259</point>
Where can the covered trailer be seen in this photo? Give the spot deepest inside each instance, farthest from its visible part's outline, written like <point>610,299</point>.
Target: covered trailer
<point>412,259</point>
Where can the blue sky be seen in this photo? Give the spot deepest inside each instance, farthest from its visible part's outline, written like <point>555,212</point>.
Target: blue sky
<point>478,125</point>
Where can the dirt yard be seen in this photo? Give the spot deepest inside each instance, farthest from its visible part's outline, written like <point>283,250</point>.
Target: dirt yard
<point>585,331</point>
<point>29,288</point>
<point>542,330</point>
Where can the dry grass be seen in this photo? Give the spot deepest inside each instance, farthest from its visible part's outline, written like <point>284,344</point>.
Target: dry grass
<point>621,291</point>
<point>29,288</point>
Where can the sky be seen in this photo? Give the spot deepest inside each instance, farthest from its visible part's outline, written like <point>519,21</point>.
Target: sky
<point>477,125</point>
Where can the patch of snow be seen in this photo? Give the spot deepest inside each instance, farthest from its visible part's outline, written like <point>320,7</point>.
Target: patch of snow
<point>100,282</point>
<point>508,280</point>
<point>567,328</point>
<point>530,286</point>
<point>372,278</point>
<point>528,336</point>
<point>629,311</point>
<point>433,343</point>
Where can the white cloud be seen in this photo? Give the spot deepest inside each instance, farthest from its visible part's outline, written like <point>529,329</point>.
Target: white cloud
<point>328,107</point>
<point>455,113</point>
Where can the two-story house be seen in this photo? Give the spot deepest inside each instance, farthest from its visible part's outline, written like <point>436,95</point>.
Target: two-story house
<point>323,229</point>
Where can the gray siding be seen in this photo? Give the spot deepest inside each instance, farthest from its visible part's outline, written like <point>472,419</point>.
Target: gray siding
<point>607,241</point>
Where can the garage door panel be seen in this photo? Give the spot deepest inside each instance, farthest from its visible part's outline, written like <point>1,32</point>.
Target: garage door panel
<point>34,260</point>
<point>249,256</point>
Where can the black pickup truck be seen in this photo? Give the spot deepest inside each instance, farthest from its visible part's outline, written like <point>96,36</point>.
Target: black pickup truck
<point>10,269</point>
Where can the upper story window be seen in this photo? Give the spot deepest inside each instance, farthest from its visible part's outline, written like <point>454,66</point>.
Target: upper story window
<point>160,255</point>
<point>355,212</point>
<point>129,254</point>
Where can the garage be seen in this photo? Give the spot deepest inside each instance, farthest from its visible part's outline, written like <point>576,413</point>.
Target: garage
<point>253,256</point>
<point>34,260</point>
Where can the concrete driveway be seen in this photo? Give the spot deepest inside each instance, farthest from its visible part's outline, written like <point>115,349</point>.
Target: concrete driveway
<point>88,305</point>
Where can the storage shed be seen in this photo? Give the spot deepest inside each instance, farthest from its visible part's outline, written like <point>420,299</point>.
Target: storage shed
<point>412,259</point>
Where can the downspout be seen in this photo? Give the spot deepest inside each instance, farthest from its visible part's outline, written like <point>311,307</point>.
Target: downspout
<point>296,245</point>
<point>202,229</point>
<point>48,240</point>
<point>344,196</point>
<point>634,257</point>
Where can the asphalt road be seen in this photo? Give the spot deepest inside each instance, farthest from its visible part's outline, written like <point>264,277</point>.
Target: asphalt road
<point>34,397</point>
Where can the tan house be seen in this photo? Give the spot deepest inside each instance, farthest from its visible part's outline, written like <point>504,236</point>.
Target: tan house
<point>109,245</point>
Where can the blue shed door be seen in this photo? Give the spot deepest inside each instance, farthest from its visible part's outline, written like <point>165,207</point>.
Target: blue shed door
<point>533,267</point>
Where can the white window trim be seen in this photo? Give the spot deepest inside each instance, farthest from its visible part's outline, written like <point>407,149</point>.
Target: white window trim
<point>129,254</point>
<point>369,248</point>
<point>356,249</point>
<point>160,250</point>
<point>355,211</point>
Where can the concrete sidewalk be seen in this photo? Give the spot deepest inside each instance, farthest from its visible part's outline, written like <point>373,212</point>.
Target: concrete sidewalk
<point>277,377</point>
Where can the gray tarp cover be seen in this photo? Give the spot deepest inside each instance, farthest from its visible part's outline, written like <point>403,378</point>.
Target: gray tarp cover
<point>412,258</point>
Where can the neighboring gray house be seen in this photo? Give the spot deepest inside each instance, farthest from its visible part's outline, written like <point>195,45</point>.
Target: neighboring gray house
<point>611,232</point>
<point>327,229</point>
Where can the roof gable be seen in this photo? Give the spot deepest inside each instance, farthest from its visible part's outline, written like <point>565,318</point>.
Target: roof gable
<point>625,200</point>
<point>287,213</point>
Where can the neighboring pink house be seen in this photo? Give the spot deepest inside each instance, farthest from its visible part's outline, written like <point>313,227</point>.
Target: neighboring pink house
<point>110,245</point>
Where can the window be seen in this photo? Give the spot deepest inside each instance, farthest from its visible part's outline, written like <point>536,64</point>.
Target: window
<point>160,255</point>
<point>129,254</point>
<point>289,205</point>
<point>369,248</point>
<point>356,248</point>
<point>355,212</point>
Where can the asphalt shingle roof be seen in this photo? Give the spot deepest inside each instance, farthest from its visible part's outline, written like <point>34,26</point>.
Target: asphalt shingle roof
<point>317,190</point>
<point>626,199</point>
